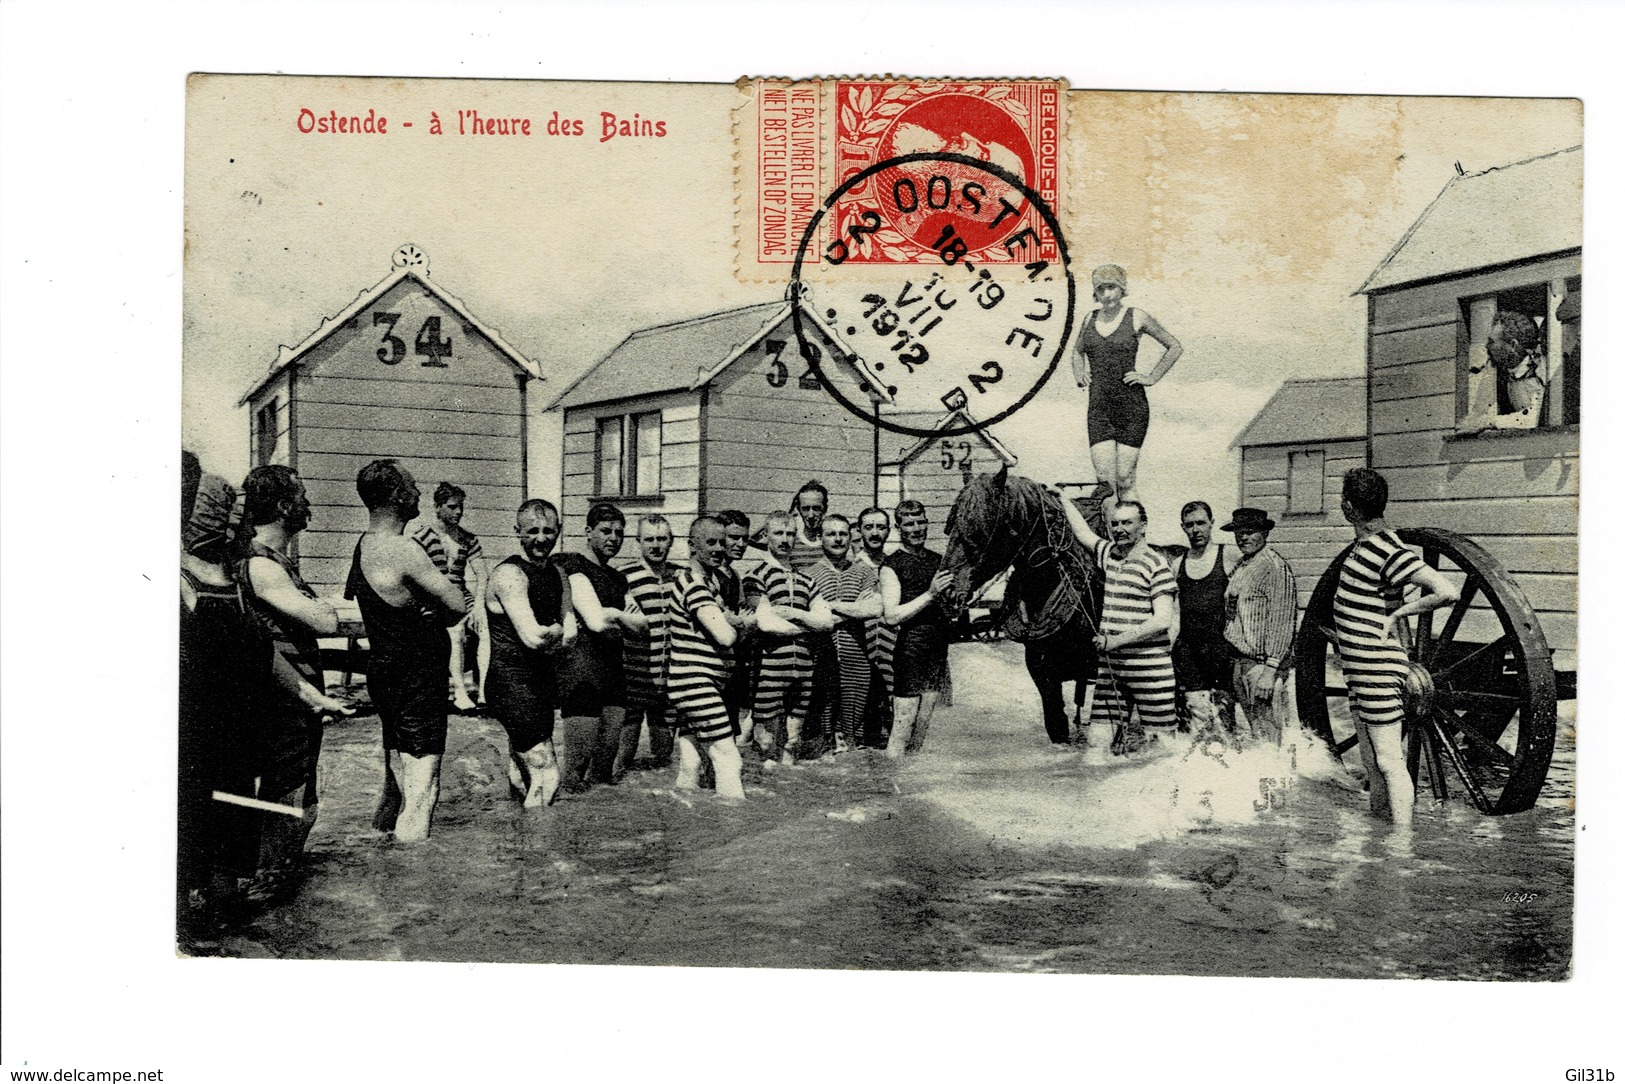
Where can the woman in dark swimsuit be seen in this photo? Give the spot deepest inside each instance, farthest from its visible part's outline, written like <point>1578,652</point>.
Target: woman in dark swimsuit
<point>1107,348</point>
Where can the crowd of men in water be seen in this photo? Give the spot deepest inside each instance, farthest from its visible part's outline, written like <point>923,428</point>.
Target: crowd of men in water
<point>803,639</point>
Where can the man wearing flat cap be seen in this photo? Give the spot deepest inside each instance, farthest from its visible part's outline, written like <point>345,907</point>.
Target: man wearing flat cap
<point>1260,614</point>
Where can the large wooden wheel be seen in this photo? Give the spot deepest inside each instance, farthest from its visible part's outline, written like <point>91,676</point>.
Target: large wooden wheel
<point>1481,696</point>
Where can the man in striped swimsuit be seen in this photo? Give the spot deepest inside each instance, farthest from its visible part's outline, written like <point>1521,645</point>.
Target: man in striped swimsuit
<point>784,687</point>
<point>456,553</point>
<point>1136,668</point>
<point>644,656</point>
<point>852,589</point>
<point>874,529</point>
<point>1366,609</point>
<point>742,679</point>
<point>700,636</point>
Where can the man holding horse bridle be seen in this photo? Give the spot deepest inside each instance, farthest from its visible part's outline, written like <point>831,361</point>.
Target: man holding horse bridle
<point>1136,668</point>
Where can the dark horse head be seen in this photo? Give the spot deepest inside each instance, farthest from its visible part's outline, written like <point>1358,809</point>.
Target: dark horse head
<point>1001,521</point>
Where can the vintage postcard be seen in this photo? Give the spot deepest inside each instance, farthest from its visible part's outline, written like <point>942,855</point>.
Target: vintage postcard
<point>881,523</point>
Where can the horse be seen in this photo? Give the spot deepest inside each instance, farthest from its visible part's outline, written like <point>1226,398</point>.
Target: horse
<point>1052,601</point>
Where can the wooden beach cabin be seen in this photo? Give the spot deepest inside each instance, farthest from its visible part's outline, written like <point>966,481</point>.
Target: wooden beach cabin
<point>719,411</point>
<point>1504,239</point>
<point>1293,455</point>
<point>933,469</point>
<point>403,371</point>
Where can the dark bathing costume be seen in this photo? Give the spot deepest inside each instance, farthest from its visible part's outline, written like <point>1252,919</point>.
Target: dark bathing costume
<point>225,674</point>
<point>591,675</point>
<point>523,687</point>
<point>920,658</point>
<point>409,653</point>
<point>1201,654</point>
<point>1117,411</point>
<point>292,745</point>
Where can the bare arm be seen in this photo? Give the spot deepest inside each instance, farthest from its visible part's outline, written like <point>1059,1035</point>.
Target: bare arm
<point>1435,591</point>
<point>716,625</point>
<point>817,617</point>
<point>1172,349</point>
<point>632,619</point>
<point>273,585</point>
<point>1080,527</point>
<point>567,624</point>
<point>474,572</point>
<point>769,622</point>
<point>894,611</point>
<point>512,593</point>
<point>419,570</point>
<point>1080,363</point>
<point>584,600</point>
<point>1161,621</point>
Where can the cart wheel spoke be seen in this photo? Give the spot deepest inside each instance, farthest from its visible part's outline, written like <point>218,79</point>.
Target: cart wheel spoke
<point>1458,612</point>
<point>1441,726</point>
<point>1498,645</point>
<point>1480,741</point>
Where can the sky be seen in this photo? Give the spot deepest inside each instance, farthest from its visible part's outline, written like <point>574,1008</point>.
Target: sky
<point>1245,223</point>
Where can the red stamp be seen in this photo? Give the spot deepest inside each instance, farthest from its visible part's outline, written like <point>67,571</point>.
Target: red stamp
<point>1012,126</point>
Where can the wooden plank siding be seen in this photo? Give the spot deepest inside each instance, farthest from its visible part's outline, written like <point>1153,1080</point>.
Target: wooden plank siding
<point>1514,493</point>
<point>282,450</point>
<point>1309,541</point>
<point>458,422</point>
<point>678,499</point>
<point>764,442</point>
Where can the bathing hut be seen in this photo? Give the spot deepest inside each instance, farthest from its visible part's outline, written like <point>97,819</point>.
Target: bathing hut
<point>1293,455</point>
<point>1456,452</point>
<point>719,411</point>
<point>404,371</point>
<point>933,469</point>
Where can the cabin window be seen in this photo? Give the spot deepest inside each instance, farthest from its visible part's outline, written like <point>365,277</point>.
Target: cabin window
<point>265,430</point>
<point>1520,365</point>
<point>1306,483</point>
<point>629,455</point>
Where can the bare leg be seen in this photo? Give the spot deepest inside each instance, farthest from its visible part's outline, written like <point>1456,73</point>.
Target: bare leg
<point>1104,458</point>
<point>482,657</point>
<point>1368,759</point>
<point>1128,473</point>
<point>1389,752</point>
<point>420,790</point>
<point>607,744</point>
<point>459,687</point>
<point>904,709</point>
<point>725,763</point>
<point>688,763</point>
<point>661,737</point>
<point>542,766</point>
<point>389,804</point>
<point>631,734</point>
<point>793,725</point>
<point>922,721</point>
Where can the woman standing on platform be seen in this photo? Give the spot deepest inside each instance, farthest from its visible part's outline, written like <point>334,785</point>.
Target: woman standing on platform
<point>1119,412</point>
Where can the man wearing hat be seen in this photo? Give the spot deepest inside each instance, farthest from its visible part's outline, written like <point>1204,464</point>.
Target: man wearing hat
<point>1260,614</point>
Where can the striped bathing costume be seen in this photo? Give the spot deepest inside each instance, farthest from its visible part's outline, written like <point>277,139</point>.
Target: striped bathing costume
<point>784,684</point>
<point>644,658</point>
<point>452,564</point>
<point>851,649</point>
<point>1140,675</point>
<point>1369,588</point>
<point>698,669</point>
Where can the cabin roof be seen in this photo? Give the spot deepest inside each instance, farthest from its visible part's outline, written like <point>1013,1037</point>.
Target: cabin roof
<point>689,354</point>
<point>288,355</point>
<point>908,447</point>
<point>1309,412</point>
<point>1497,216</point>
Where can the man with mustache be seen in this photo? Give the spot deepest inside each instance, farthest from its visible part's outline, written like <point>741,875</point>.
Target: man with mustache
<point>1136,667</point>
